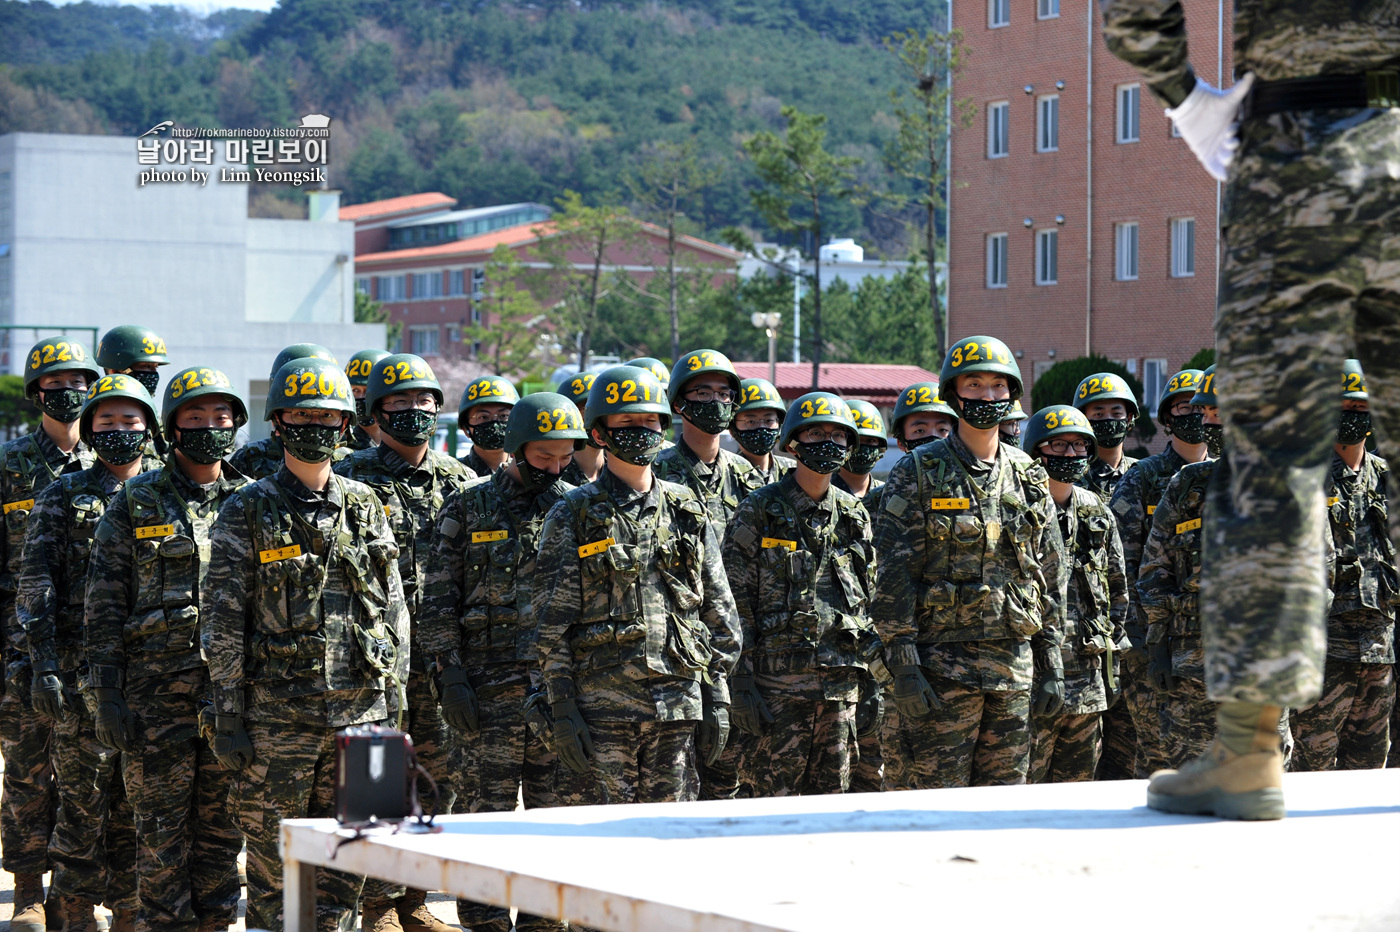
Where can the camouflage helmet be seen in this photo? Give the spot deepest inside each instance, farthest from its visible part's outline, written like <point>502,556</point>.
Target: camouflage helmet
<point>1353,381</point>
<point>1187,380</point>
<point>299,351</point>
<point>1205,392</point>
<point>197,382</point>
<point>921,396</point>
<point>109,388</point>
<point>868,421</point>
<point>760,395</point>
<point>56,354</point>
<point>626,390</point>
<point>818,408</point>
<point>357,369</point>
<point>697,363</point>
<point>1105,386</point>
<point>653,365</point>
<point>400,372</point>
<point>543,416</point>
<point>123,347</point>
<point>576,388</point>
<point>486,390</point>
<point>1055,421</point>
<point>1018,413</point>
<point>979,354</point>
<point>309,382</point>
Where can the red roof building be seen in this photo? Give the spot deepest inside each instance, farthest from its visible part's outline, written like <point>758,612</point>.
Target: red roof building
<point>854,381</point>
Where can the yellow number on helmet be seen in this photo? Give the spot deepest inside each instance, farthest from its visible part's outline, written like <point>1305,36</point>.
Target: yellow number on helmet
<point>291,388</point>
<point>611,393</point>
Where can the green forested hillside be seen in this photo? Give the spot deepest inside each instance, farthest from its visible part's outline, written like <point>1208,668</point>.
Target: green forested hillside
<point>486,101</point>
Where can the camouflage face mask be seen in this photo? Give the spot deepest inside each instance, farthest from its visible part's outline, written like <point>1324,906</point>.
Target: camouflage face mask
<point>310,443</point>
<point>205,445</point>
<point>920,441</point>
<point>823,458</point>
<point>63,404</point>
<point>863,458</point>
<point>1354,428</point>
<point>1189,427</point>
<point>1066,469</point>
<point>713,417</point>
<point>635,445</point>
<point>1111,432</point>
<point>759,441</point>
<point>533,477</point>
<point>362,415</point>
<point>412,428</point>
<point>148,380</point>
<point>119,447</point>
<point>983,414</point>
<point>488,436</point>
<point>1215,438</point>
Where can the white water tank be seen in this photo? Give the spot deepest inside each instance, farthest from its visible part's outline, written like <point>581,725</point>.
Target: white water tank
<point>842,250</point>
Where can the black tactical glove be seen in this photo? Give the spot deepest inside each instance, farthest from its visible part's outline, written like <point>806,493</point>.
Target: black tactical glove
<point>747,709</point>
<point>870,709</point>
<point>1159,666</point>
<point>572,742</point>
<point>714,731</point>
<point>1136,649</point>
<point>231,745</point>
<point>458,701</point>
<point>114,725</point>
<point>46,692</point>
<point>1049,693</point>
<point>913,696</point>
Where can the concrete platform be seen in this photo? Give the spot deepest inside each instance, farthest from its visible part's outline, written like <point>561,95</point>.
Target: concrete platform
<point>1029,858</point>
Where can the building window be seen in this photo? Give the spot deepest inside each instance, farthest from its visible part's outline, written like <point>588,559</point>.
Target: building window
<point>996,260</point>
<point>391,288</point>
<point>458,285</point>
<point>476,315</point>
<point>1154,380</point>
<point>1047,257</point>
<point>478,284</point>
<point>1125,252</point>
<point>998,13</point>
<point>423,341</point>
<point>998,129</point>
<point>1183,247</point>
<point>1129,99</point>
<point>1047,124</point>
<point>427,285</point>
<point>1047,9</point>
<point>362,285</point>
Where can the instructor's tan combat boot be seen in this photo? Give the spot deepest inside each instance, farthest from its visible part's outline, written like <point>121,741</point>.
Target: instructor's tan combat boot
<point>29,904</point>
<point>379,914</point>
<point>78,914</point>
<point>1240,776</point>
<point>415,916</point>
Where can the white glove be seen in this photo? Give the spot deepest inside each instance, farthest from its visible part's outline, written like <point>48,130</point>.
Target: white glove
<point>1207,121</point>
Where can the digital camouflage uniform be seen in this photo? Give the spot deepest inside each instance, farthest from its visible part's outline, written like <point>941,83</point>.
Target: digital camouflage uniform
<point>1133,503</point>
<point>799,569</point>
<point>972,585</point>
<point>1103,479</point>
<point>476,615</point>
<point>1065,747</point>
<point>143,595</point>
<point>635,630</point>
<point>477,465</point>
<point>1311,269</point>
<point>779,466</point>
<point>93,846</point>
<point>1347,728</point>
<point>720,487</point>
<point>28,464</point>
<point>294,577</point>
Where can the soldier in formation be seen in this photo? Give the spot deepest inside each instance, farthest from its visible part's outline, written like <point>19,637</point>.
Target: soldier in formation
<point>261,458</point>
<point>366,432</point>
<point>756,425</point>
<point>587,462</point>
<point>483,413</point>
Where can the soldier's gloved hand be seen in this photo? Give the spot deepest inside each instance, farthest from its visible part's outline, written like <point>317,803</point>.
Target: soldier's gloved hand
<point>458,702</point>
<point>913,696</point>
<point>714,731</point>
<point>1208,119</point>
<point>46,692</point>
<point>1159,666</point>
<point>747,709</point>
<point>572,741</point>
<point>870,709</point>
<point>231,745</point>
<point>1049,693</point>
<point>114,725</point>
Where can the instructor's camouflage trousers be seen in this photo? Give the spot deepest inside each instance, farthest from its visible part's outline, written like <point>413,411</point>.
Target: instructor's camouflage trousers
<point>808,748</point>
<point>292,777</point>
<point>1349,727</point>
<point>638,762</point>
<point>1065,747</point>
<point>868,773</point>
<point>30,801</point>
<point>978,738</point>
<point>1119,758</point>
<point>1186,721</point>
<point>187,841</point>
<point>93,849</point>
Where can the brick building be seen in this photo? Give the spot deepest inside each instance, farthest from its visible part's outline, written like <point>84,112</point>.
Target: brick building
<point>1077,221</point>
<point>426,262</point>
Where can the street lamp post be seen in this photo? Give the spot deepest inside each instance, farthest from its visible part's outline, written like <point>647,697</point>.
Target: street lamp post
<point>769,324</point>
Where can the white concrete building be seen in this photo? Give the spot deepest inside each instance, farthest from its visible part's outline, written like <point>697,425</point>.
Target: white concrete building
<point>841,259</point>
<point>83,244</point>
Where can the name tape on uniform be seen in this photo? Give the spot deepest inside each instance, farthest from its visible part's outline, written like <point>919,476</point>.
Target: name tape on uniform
<point>26,505</point>
<point>1151,508</point>
<point>950,504</point>
<point>1333,500</point>
<point>588,550</point>
<point>156,530</point>
<point>1191,525</point>
<point>485,537</point>
<point>770,542</point>
<point>282,553</point>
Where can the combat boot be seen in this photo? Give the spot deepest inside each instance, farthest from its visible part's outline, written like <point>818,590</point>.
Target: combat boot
<point>77,914</point>
<point>379,914</point>
<point>29,904</point>
<point>1240,776</point>
<point>415,916</point>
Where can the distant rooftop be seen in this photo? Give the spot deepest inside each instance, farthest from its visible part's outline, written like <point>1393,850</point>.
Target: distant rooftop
<point>409,203</point>
<point>875,383</point>
<point>471,213</point>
